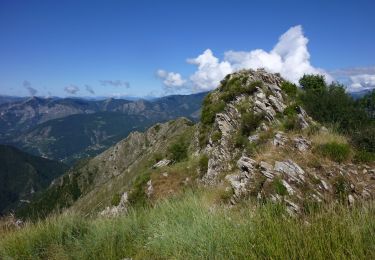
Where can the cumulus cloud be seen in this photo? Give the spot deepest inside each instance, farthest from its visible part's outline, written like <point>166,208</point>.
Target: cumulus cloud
<point>210,71</point>
<point>71,89</point>
<point>362,82</point>
<point>289,57</point>
<point>115,83</point>
<point>89,89</point>
<point>32,91</point>
<point>358,78</point>
<point>171,79</point>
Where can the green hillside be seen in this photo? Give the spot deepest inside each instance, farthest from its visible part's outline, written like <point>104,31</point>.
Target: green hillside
<point>22,175</point>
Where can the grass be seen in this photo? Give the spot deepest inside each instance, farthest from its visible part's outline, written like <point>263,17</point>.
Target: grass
<point>189,227</point>
<point>335,151</point>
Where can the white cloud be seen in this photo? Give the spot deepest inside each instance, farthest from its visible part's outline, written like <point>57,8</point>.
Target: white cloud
<point>362,81</point>
<point>171,79</point>
<point>289,57</point>
<point>210,71</point>
<point>357,78</point>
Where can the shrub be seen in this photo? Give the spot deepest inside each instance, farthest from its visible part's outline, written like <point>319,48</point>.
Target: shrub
<point>250,122</point>
<point>116,198</point>
<point>178,151</point>
<point>203,135</point>
<point>314,83</point>
<point>210,110</point>
<point>279,187</point>
<point>216,136</point>
<point>335,151</point>
<point>289,88</point>
<point>291,123</point>
<point>250,148</point>
<point>330,104</point>
<point>157,128</point>
<point>364,138</point>
<point>203,164</point>
<point>364,157</point>
<point>240,141</point>
<point>291,110</point>
<point>237,86</point>
<point>137,196</point>
<point>341,187</point>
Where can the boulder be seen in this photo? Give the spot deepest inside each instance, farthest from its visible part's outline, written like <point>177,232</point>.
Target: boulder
<point>161,163</point>
<point>291,170</point>
<point>246,164</point>
<point>301,144</point>
<point>280,139</point>
<point>114,211</point>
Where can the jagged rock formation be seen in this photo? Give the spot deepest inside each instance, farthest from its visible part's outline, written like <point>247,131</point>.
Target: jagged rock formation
<point>284,172</point>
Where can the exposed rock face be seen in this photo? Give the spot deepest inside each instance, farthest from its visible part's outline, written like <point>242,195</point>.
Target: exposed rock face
<point>303,118</point>
<point>228,121</point>
<point>150,189</point>
<point>161,163</point>
<point>280,139</point>
<point>282,178</point>
<point>240,181</point>
<point>301,143</point>
<point>291,170</point>
<point>114,211</point>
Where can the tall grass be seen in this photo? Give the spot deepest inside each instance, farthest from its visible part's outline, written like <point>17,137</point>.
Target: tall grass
<point>191,227</point>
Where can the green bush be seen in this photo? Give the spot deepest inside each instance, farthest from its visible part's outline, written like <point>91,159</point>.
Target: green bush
<point>137,195</point>
<point>240,141</point>
<point>216,136</point>
<point>250,148</point>
<point>178,151</point>
<point>279,187</point>
<point>289,88</point>
<point>291,123</point>
<point>364,137</point>
<point>116,198</point>
<point>364,157</point>
<point>250,122</point>
<point>330,104</point>
<point>210,110</point>
<point>237,86</point>
<point>203,164</point>
<point>315,83</point>
<point>335,151</point>
<point>341,188</point>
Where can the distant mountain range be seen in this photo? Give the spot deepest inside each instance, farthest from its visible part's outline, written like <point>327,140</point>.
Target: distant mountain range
<point>69,129</point>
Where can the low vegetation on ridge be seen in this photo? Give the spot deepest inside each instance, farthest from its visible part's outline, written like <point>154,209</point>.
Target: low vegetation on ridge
<point>291,178</point>
<point>191,227</point>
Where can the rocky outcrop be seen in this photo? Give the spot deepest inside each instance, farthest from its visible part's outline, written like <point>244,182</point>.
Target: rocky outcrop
<point>301,143</point>
<point>161,163</point>
<point>292,170</point>
<point>267,100</point>
<point>121,208</point>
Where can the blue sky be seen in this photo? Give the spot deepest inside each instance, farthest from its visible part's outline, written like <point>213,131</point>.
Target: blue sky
<point>139,48</point>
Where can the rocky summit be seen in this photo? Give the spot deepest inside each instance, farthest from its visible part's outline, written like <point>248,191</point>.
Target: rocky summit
<point>253,141</point>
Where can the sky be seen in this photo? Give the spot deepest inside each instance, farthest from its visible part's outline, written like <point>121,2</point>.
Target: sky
<point>154,48</point>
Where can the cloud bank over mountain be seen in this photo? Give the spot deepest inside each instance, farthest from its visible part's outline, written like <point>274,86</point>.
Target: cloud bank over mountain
<point>289,57</point>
